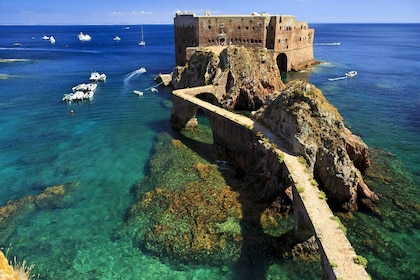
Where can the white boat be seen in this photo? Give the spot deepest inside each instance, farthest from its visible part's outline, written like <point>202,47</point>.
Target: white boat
<point>45,37</point>
<point>351,74</point>
<point>17,44</point>
<point>85,87</point>
<point>84,37</point>
<point>142,42</point>
<point>138,92</point>
<point>96,77</point>
<point>154,90</point>
<point>116,38</point>
<point>52,40</point>
<point>81,92</point>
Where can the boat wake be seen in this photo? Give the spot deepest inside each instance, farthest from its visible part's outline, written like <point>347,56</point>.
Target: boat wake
<point>350,74</point>
<point>12,60</point>
<point>133,74</point>
<point>328,44</point>
<point>336,79</point>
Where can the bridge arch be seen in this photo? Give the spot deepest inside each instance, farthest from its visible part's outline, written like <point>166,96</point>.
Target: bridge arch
<point>208,97</point>
<point>282,62</point>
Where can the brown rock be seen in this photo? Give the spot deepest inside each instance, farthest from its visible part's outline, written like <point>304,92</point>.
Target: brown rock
<point>6,270</point>
<point>244,77</point>
<point>302,116</point>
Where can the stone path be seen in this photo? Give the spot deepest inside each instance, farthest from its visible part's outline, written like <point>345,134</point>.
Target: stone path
<point>331,238</point>
<point>338,254</point>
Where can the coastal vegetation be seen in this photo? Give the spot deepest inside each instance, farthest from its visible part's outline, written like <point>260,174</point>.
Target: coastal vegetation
<point>360,260</point>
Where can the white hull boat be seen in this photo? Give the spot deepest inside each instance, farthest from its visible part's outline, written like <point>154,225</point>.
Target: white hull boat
<point>138,92</point>
<point>84,37</point>
<point>96,77</point>
<point>351,74</point>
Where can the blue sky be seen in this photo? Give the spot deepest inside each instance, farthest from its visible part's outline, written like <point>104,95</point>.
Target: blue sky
<point>163,11</point>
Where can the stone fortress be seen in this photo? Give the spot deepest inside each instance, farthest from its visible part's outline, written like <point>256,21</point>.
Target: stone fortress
<point>288,41</point>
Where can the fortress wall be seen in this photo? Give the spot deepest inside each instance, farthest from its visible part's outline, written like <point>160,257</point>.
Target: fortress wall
<point>186,34</point>
<point>279,33</point>
<point>301,58</point>
<point>245,31</point>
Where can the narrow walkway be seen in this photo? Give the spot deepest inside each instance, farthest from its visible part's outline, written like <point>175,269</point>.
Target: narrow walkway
<point>331,239</point>
<point>336,251</point>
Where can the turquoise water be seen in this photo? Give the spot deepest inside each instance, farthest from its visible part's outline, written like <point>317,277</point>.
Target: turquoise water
<point>105,145</point>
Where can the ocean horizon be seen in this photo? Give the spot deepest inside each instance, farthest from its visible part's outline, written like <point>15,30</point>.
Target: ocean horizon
<point>104,146</point>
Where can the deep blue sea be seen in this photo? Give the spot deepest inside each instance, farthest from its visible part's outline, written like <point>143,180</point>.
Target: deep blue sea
<point>105,145</point>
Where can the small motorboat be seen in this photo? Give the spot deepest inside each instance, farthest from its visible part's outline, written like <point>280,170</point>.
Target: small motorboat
<point>138,92</point>
<point>154,90</point>
<point>45,37</point>
<point>84,37</point>
<point>116,38</point>
<point>351,74</point>
<point>52,40</point>
<point>96,77</point>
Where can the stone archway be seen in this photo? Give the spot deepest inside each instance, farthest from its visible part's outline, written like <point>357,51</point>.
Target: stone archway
<point>282,62</point>
<point>208,97</point>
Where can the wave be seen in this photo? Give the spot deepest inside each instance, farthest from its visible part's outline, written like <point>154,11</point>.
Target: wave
<point>134,73</point>
<point>48,50</point>
<point>7,76</point>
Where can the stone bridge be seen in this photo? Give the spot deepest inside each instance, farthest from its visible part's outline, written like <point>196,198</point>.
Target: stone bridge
<point>240,139</point>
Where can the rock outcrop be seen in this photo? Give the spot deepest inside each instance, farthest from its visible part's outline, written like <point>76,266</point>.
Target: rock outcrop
<point>13,210</point>
<point>244,77</point>
<point>6,270</point>
<point>302,116</point>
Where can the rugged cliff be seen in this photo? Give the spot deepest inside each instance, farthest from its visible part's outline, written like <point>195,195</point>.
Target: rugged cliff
<point>244,77</point>
<point>302,116</point>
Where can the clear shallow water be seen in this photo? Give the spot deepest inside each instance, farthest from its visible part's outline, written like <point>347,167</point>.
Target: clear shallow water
<point>105,146</point>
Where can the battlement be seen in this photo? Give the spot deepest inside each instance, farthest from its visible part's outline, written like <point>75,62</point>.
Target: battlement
<point>289,41</point>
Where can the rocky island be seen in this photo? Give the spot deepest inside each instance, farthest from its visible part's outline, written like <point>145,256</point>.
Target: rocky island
<point>201,213</point>
<point>230,201</point>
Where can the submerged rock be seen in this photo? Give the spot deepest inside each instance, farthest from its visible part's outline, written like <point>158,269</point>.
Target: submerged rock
<point>302,116</point>
<point>192,211</point>
<point>13,210</point>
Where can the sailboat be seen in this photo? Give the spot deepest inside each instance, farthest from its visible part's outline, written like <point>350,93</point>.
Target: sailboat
<point>142,42</point>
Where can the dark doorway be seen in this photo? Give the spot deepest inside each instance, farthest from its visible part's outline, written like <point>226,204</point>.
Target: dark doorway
<point>282,62</point>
